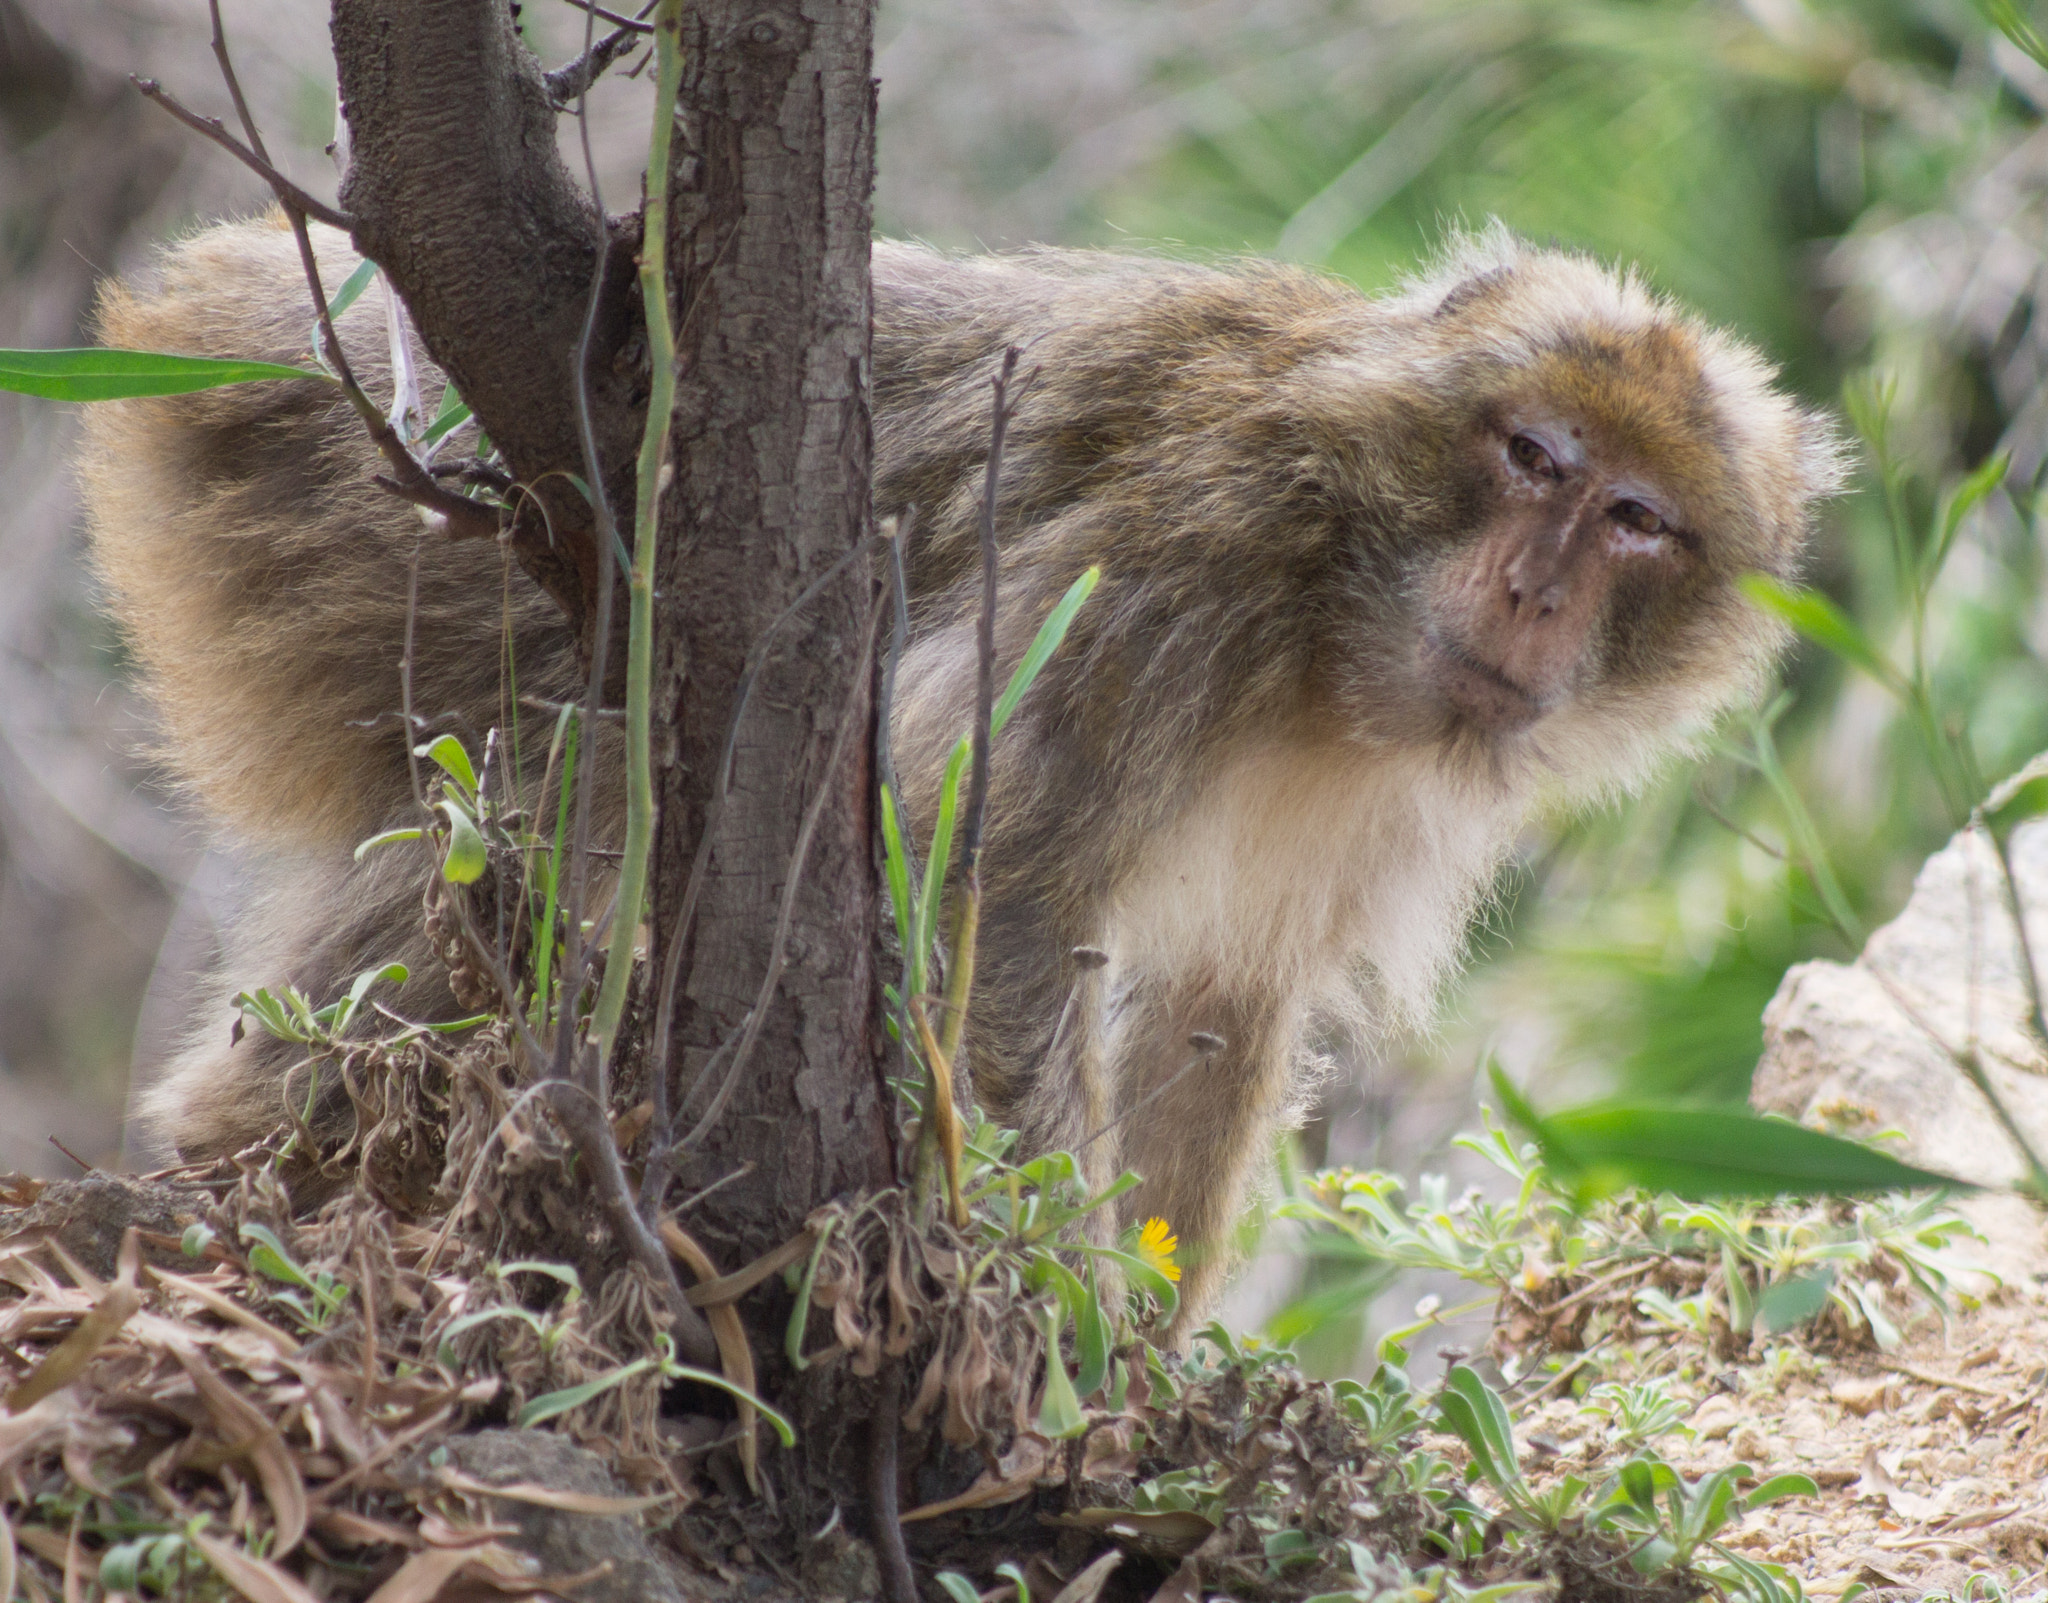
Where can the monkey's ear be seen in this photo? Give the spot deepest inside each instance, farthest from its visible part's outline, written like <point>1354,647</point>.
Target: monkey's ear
<point>1478,287</point>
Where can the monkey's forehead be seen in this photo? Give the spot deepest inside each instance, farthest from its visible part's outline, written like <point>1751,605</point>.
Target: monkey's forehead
<point>1694,412</point>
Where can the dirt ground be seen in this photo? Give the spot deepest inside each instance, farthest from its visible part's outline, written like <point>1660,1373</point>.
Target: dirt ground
<point>1930,1459</point>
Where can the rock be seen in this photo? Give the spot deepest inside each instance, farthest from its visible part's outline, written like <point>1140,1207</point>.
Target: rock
<point>566,1543</point>
<point>1715,1418</point>
<point>1865,1394</point>
<point>1850,1044</point>
<point>88,1216</point>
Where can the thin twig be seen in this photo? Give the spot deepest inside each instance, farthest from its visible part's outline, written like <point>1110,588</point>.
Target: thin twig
<point>609,1009</point>
<point>607,534</point>
<point>939,1137</point>
<point>461,517</point>
<point>1206,1048</point>
<point>899,1583</point>
<point>750,1030</point>
<point>212,128</point>
<point>637,24</point>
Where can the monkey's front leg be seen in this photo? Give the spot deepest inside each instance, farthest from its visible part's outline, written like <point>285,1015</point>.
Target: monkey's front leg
<point>1196,1116</point>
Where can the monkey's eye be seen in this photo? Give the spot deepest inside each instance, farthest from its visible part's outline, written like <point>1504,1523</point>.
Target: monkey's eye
<point>1634,515</point>
<point>1528,454</point>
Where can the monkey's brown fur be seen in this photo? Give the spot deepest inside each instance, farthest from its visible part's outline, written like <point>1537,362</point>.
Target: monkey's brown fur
<point>1270,775</point>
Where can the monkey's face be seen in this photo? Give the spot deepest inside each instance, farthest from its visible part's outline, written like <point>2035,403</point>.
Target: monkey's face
<point>1577,536</point>
<point>1579,603</point>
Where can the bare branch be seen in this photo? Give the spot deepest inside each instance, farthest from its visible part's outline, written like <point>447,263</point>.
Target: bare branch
<point>571,81</point>
<point>212,128</point>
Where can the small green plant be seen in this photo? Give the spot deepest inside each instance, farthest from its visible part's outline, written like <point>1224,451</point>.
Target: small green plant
<point>1636,1413</point>
<point>1772,1267</point>
<point>1670,1523</point>
<point>314,1296</point>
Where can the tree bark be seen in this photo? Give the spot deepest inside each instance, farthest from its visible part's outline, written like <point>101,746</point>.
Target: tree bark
<point>458,193</point>
<point>768,248</point>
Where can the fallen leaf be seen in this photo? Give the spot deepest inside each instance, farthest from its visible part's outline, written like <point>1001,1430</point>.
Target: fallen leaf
<point>1877,1481</point>
<point>257,1579</point>
<point>1016,1472</point>
<point>64,1362</point>
<point>1087,1586</point>
<point>548,1496</point>
<point>247,1431</point>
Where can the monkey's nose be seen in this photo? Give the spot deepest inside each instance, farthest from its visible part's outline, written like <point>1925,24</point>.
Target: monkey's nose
<point>1539,604</point>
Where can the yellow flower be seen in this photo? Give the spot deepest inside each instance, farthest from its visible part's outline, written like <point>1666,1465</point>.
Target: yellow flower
<point>1156,1242</point>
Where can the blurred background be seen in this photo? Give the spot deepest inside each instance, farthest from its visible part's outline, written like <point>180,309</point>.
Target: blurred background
<point>1858,185</point>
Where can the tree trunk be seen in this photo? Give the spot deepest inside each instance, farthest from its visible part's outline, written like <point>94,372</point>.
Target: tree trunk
<point>769,249</point>
<point>458,196</point>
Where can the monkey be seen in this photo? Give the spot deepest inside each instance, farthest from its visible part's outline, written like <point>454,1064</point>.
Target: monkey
<point>1383,576</point>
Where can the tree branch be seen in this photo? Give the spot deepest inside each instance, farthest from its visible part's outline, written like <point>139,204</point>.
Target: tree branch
<point>212,128</point>
<point>456,191</point>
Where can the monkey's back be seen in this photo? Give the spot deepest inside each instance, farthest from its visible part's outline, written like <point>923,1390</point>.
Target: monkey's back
<point>261,578</point>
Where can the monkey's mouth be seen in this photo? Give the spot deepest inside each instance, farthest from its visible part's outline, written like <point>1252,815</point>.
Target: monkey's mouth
<point>1478,692</point>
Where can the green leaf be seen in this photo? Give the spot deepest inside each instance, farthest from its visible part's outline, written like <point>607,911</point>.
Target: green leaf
<point>449,754</point>
<point>1824,623</point>
<point>2017,798</point>
<point>464,864</point>
<point>956,1586</point>
<point>269,1258</point>
<point>896,863</point>
<point>799,1316</point>
<point>121,1567</point>
<point>101,375</point>
<point>396,973</point>
<point>389,837</point>
<point>935,866</point>
<point>1735,1288</point>
<point>1796,1300</point>
<point>1009,1572</point>
<point>1083,1305</point>
<point>453,414</point>
<point>351,288</point>
<point>1780,1486</point>
<point>1043,645</point>
<point>1139,1273</point>
<point>1475,1412</point>
<point>1958,505</point>
<point>1707,1152</point>
<point>1059,1412</point>
<point>2010,20</point>
<point>549,1404</point>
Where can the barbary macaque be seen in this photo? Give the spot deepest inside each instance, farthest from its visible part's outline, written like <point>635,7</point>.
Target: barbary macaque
<point>1381,577</point>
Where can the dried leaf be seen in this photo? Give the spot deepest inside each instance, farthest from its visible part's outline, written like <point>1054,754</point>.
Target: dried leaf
<point>1877,1482</point>
<point>1016,1473</point>
<point>548,1496</point>
<point>247,1431</point>
<point>735,1355</point>
<point>1169,1534</point>
<point>929,1390</point>
<point>225,1307</point>
<point>67,1360</point>
<point>422,1576</point>
<point>1087,1586</point>
<point>257,1579</point>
